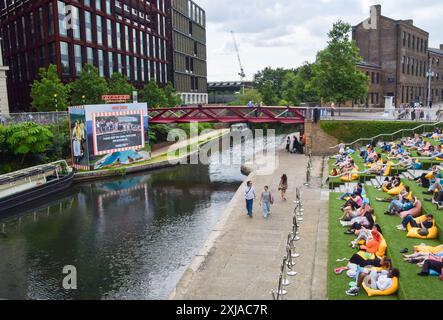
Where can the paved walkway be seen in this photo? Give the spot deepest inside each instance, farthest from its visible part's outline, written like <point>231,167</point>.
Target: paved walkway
<point>242,257</point>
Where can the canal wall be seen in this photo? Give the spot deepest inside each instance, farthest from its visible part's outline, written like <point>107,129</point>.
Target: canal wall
<point>104,174</point>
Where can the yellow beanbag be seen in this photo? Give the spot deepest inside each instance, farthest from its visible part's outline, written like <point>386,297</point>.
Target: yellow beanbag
<point>430,176</point>
<point>427,249</point>
<point>388,292</point>
<point>382,249</point>
<point>350,177</point>
<point>413,232</point>
<point>396,191</point>
<point>439,159</point>
<point>387,171</point>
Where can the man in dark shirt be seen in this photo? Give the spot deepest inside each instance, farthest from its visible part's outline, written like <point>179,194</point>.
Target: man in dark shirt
<point>428,224</point>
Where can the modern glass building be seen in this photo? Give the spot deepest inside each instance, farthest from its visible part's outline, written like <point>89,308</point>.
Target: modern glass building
<point>189,50</point>
<point>132,37</point>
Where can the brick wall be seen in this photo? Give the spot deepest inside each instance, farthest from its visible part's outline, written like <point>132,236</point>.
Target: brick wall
<point>318,141</point>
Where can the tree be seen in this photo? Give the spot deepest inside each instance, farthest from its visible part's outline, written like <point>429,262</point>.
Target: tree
<point>119,85</point>
<point>270,96</point>
<point>249,95</point>
<point>275,76</point>
<point>292,89</point>
<point>337,78</point>
<point>49,93</point>
<point>89,87</point>
<point>28,138</point>
<point>172,96</point>
<point>153,95</point>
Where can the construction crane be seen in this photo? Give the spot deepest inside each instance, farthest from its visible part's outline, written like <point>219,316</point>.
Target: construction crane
<point>242,71</point>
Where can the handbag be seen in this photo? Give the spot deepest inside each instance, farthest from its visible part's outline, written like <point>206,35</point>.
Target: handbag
<point>423,232</point>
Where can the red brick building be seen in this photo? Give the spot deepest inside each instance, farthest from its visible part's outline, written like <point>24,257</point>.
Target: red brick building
<point>132,37</point>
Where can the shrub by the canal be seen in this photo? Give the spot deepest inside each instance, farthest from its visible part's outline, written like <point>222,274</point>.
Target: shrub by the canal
<point>350,131</point>
<point>27,144</point>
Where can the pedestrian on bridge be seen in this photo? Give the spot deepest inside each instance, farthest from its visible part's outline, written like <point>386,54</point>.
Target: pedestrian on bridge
<point>266,200</point>
<point>250,197</point>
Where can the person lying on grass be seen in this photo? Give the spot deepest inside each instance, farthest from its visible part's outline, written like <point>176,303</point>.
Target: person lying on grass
<point>410,220</point>
<point>358,189</point>
<point>404,194</point>
<point>376,280</point>
<point>357,261</point>
<point>391,183</point>
<point>432,264</point>
<point>351,209</point>
<point>357,223</point>
<point>420,257</point>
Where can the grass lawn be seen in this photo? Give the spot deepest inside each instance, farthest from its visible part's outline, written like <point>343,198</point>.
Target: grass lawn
<point>339,248</point>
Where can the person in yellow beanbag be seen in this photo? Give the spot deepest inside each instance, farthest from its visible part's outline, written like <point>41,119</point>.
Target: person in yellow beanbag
<point>422,228</point>
<point>376,283</point>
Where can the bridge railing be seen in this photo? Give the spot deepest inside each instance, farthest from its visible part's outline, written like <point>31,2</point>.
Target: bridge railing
<point>43,118</point>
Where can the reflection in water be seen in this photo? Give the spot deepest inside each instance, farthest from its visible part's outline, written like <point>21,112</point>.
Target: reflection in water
<point>129,238</point>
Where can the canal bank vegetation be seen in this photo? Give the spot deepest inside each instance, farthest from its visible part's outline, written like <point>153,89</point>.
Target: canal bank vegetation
<point>350,131</point>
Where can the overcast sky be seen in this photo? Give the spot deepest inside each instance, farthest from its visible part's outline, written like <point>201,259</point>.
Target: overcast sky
<point>286,33</point>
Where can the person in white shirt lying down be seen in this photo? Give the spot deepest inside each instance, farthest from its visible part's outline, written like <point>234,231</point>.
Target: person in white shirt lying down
<point>376,280</point>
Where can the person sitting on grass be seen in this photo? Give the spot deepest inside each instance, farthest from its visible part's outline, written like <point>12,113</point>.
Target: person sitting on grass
<point>405,193</point>
<point>415,211</point>
<point>391,183</point>
<point>351,211</point>
<point>363,234</point>
<point>401,203</point>
<point>373,244</point>
<point>356,224</point>
<point>432,264</point>
<point>409,219</point>
<point>376,280</point>
<point>358,189</point>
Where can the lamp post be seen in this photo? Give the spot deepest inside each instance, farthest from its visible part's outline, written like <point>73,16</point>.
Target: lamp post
<point>56,102</point>
<point>429,75</point>
<point>84,99</point>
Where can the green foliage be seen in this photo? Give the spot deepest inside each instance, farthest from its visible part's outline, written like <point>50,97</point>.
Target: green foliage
<point>28,138</point>
<point>89,87</point>
<point>154,96</point>
<point>337,78</point>
<point>271,76</point>
<point>173,99</point>
<point>350,131</point>
<point>249,95</point>
<point>49,93</point>
<point>291,85</point>
<point>119,85</point>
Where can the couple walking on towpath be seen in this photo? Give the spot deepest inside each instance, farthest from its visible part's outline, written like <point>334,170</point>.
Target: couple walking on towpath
<point>266,197</point>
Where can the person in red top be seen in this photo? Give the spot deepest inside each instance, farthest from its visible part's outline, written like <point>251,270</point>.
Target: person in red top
<point>373,244</point>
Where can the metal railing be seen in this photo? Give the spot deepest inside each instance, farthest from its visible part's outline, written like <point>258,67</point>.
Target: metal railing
<point>42,118</point>
<point>388,135</point>
<point>288,265</point>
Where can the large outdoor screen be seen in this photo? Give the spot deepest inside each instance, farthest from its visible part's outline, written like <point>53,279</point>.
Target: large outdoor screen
<point>117,131</point>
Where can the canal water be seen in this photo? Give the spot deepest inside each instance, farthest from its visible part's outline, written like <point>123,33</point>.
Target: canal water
<point>129,238</point>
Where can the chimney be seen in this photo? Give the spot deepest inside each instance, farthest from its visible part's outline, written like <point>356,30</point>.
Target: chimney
<point>378,9</point>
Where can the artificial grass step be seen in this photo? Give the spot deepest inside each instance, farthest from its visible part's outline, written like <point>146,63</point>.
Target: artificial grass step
<point>412,287</point>
<point>339,248</point>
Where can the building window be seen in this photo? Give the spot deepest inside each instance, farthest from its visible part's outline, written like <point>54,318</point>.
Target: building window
<point>61,19</point>
<point>64,53</point>
<point>50,12</point>
<point>101,63</point>
<point>111,63</point>
<point>88,26</point>
<point>99,30</point>
<point>109,32</point>
<point>78,59</point>
<point>75,23</point>
<point>90,56</point>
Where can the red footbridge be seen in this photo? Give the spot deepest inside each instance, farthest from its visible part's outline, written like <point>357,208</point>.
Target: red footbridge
<point>225,114</point>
